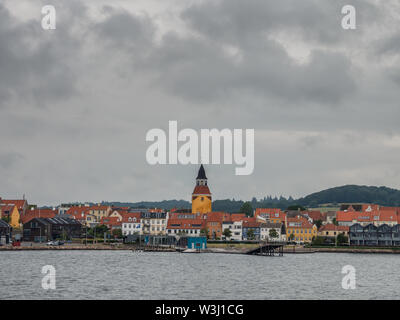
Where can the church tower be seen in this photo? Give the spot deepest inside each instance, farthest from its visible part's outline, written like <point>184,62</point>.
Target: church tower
<point>201,196</point>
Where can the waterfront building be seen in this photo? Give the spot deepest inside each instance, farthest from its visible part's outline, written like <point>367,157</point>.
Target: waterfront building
<point>46,229</point>
<point>214,222</point>
<point>201,196</point>
<point>39,213</point>
<point>372,235</point>
<point>376,217</point>
<point>5,232</point>
<point>11,213</point>
<point>251,229</point>
<point>235,226</point>
<point>303,231</point>
<point>331,231</point>
<point>266,229</point>
<point>131,224</point>
<point>154,223</point>
<point>188,227</point>
<point>21,204</point>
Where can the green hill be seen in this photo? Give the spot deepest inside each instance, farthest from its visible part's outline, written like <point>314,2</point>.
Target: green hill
<point>353,194</point>
<point>335,196</point>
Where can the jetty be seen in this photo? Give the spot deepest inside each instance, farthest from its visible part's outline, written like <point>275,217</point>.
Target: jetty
<point>268,249</point>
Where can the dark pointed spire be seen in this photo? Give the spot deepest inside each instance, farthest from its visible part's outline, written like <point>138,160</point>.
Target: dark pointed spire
<point>202,173</point>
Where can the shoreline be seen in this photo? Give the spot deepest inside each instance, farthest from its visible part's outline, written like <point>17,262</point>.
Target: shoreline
<point>208,250</point>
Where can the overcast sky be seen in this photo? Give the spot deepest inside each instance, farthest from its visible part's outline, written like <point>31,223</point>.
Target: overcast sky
<point>76,102</point>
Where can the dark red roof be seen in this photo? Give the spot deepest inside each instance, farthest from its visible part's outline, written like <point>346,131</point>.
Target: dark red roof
<point>203,190</point>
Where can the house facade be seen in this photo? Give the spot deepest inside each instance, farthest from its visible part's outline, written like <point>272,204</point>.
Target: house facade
<point>187,227</point>
<point>154,223</point>
<point>251,229</point>
<point>269,228</point>
<point>131,224</point>
<point>12,214</point>
<point>371,235</point>
<point>235,228</point>
<point>46,229</point>
<point>299,229</point>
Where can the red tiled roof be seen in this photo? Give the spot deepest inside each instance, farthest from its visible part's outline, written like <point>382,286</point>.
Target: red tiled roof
<point>110,221</point>
<point>304,222</point>
<point>38,213</point>
<point>332,227</point>
<point>251,224</point>
<point>217,216</point>
<point>237,216</point>
<point>316,215</point>
<point>19,203</point>
<point>201,190</point>
<point>267,210</point>
<point>132,215</point>
<point>375,215</point>
<point>185,224</point>
<point>77,210</point>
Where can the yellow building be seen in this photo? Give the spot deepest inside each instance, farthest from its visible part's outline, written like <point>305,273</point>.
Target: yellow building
<point>201,196</point>
<point>11,212</point>
<point>99,212</point>
<point>301,229</point>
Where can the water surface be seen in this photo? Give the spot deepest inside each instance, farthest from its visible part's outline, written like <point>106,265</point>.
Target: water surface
<point>129,275</point>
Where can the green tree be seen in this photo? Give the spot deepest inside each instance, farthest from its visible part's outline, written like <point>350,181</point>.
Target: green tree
<point>117,233</point>
<point>250,234</point>
<point>227,233</point>
<point>342,239</point>
<point>335,222</point>
<point>318,241</point>
<point>291,237</point>
<point>247,209</point>
<point>318,223</point>
<point>98,230</point>
<point>273,234</point>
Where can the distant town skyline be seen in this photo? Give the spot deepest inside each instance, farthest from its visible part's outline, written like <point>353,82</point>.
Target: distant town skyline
<point>76,102</point>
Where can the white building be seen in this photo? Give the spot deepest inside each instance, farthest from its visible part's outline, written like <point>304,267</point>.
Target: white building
<point>131,224</point>
<point>236,229</point>
<point>266,228</point>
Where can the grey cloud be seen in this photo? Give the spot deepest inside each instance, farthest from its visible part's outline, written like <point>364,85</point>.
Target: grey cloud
<point>106,81</point>
<point>38,66</point>
<point>10,159</point>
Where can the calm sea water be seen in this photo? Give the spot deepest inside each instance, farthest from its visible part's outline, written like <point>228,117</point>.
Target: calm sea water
<point>129,275</point>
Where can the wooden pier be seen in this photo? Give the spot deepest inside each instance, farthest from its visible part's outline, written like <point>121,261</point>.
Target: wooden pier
<point>268,249</point>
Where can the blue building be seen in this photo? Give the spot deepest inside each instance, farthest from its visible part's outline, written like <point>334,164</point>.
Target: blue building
<point>251,225</point>
<point>197,242</point>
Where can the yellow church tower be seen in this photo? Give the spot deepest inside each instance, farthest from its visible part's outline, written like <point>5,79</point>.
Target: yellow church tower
<point>201,196</point>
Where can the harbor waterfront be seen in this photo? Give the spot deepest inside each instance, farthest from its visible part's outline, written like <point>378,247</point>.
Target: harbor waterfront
<point>123,274</point>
